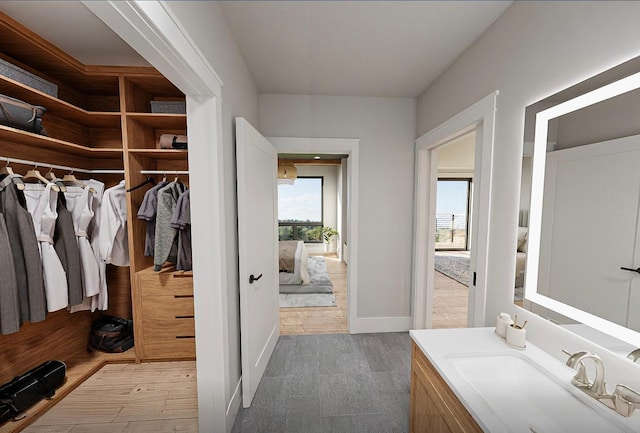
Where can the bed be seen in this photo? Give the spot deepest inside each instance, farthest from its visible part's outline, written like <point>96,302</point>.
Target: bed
<point>293,263</point>
<point>521,256</point>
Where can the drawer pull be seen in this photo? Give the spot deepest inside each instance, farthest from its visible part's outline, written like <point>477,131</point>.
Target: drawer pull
<point>182,296</point>
<point>185,336</point>
<point>184,317</point>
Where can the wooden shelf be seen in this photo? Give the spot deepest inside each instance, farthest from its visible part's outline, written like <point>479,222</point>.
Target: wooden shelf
<point>57,107</point>
<point>166,270</point>
<point>161,120</point>
<point>79,368</point>
<point>168,154</point>
<point>43,142</point>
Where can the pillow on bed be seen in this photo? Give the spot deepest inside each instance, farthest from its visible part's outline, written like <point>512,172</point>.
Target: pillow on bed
<point>522,239</point>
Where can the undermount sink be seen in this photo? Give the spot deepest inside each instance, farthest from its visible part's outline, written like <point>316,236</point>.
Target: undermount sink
<point>527,399</point>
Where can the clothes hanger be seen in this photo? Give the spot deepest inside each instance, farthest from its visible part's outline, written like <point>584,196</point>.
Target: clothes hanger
<point>34,174</point>
<point>149,180</point>
<point>70,178</point>
<point>55,179</point>
<point>8,171</point>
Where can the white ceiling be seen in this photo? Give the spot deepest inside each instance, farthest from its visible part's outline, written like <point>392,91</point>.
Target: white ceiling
<point>358,48</point>
<point>72,27</point>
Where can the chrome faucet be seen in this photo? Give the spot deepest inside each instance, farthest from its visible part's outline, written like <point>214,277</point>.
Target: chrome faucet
<point>596,389</point>
<point>634,355</point>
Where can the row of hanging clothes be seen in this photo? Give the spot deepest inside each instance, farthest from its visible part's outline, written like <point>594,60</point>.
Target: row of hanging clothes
<point>56,237</point>
<point>166,209</point>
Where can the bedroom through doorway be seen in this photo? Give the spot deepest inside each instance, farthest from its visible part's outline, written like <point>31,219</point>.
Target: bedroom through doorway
<point>454,192</point>
<point>312,224</point>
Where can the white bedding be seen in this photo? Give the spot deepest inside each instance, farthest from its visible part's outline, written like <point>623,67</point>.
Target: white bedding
<point>300,274</point>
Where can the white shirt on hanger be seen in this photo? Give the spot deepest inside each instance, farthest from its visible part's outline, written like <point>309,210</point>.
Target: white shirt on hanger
<point>114,243</point>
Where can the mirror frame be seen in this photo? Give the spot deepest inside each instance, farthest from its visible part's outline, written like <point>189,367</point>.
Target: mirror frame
<point>543,117</point>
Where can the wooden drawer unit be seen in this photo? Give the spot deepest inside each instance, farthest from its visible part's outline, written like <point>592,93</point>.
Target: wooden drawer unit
<point>434,406</point>
<point>165,323</point>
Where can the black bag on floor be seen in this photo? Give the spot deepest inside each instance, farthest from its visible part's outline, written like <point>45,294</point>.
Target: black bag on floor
<point>21,115</point>
<point>28,389</point>
<point>111,334</point>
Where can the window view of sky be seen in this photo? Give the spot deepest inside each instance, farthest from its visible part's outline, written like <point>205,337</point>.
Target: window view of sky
<point>451,197</point>
<point>301,201</point>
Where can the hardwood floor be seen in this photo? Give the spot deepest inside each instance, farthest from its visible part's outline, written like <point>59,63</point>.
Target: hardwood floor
<point>320,320</point>
<point>450,303</point>
<point>154,397</point>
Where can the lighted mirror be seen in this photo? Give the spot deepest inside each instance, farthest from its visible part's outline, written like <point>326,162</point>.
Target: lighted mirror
<point>581,181</point>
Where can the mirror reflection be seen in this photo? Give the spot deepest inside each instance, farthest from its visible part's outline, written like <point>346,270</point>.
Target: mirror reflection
<point>590,226</point>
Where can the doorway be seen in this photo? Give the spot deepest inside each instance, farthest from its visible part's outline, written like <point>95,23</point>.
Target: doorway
<point>478,118</point>
<point>311,212</point>
<point>454,194</point>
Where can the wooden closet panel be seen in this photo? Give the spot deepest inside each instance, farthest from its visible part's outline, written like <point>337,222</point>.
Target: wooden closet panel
<point>26,152</point>
<point>119,292</point>
<point>59,336</point>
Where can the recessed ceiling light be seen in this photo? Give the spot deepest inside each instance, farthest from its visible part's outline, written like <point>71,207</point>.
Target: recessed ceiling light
<point>316,157</point>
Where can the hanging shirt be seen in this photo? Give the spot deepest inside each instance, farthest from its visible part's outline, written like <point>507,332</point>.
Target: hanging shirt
<point>42,203</point>
<point>25,250</point>
<point>114,244</point>
<point>166,245</point>
<point>99,301</point>
<point>147,212</point>
<point>181,221</point>
<point>80,200</point>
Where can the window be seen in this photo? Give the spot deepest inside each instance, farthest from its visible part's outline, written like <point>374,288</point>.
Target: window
<point>452,214</point>
<point>300,209</point>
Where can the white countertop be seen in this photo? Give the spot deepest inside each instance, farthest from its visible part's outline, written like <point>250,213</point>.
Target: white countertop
<point>441,345</point>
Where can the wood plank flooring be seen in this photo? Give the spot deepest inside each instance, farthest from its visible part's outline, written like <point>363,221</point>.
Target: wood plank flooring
<point>450,303</point>
<point>128,398</point>
<point>321,320</point>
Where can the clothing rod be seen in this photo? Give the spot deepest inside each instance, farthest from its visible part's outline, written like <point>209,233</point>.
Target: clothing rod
<point>60,167</point>
<point>164,172</point>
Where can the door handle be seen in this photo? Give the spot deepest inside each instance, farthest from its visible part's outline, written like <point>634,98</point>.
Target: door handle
<point>630,269</point>
<point>252,278</point>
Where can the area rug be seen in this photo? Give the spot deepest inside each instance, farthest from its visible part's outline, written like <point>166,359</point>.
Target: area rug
<point>292,300</point>
<point>453,266</point>
<point>319,293</point>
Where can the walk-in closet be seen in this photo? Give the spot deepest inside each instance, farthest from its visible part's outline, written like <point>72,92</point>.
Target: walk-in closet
<point>100,125</point>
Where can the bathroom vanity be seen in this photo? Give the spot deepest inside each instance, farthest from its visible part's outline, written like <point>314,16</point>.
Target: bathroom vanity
<point>470,380</point>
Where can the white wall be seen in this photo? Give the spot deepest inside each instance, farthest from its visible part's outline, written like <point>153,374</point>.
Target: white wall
<point>532,51</point>
<point>386,129</point>
<point>206,25</point>
<point>456,159</point>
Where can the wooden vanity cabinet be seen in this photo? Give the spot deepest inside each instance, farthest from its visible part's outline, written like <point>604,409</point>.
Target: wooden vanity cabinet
<point>434,408</point>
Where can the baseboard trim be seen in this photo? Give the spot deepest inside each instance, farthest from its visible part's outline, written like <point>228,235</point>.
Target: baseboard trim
<point>363,325</point>
<point>234,406</point>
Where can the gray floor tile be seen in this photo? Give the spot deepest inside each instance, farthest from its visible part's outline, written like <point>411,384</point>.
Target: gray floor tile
<point>348,395</point>
<point>367,423</point>
<point>305,375</point>
<point>333,384</point>
<point>280,363</point>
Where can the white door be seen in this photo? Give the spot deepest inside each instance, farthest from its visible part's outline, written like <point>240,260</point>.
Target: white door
<point>258,255</point>
<point>590,228</point>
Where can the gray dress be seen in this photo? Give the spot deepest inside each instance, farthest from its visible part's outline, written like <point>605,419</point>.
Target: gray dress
<point>147,212</point>
<point>181,221</point>
<point>66,245</point>
<point>166,243</point>
<point>24,248</point>
<point>9,302</point>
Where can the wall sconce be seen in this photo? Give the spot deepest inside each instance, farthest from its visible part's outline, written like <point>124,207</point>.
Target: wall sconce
<point>287,172</point>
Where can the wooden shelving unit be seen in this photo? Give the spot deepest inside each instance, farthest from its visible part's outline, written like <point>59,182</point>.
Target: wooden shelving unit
<point>101,119</point>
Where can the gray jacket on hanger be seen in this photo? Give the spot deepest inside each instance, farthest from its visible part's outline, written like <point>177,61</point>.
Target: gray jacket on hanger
<point>24,249</point>
<point>166,244</point>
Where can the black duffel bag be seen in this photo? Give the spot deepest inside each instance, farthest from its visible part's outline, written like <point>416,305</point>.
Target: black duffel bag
<point>21,115</point>
<point>28,389</point>
<point>111,334</point>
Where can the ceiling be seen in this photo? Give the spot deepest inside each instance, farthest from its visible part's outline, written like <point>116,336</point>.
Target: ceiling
<point>356,48</point>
